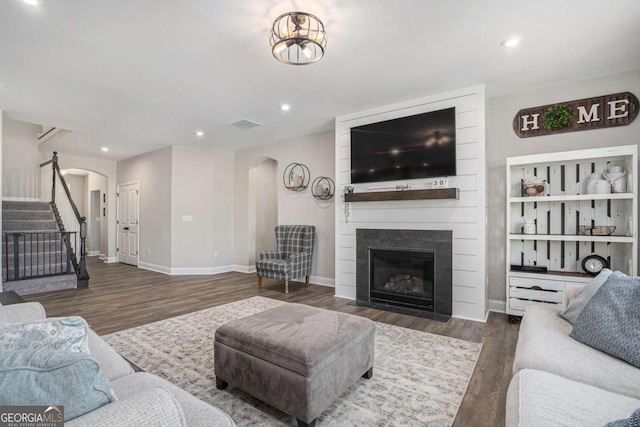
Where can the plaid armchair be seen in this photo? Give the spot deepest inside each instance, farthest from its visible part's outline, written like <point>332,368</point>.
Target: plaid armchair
<point>291,259</point>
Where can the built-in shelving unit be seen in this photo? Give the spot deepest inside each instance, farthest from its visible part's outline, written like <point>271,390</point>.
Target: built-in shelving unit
<point>558,214</point>
<point>376,196</point>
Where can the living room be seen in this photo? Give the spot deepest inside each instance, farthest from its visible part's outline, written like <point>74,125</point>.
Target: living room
<point>208,203</point>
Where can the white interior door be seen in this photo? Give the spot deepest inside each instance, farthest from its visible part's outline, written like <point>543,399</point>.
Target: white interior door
<point>128,223</point>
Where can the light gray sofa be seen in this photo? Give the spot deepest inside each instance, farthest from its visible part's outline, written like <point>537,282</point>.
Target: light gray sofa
<point>143,399</point>
<point>561,382</point>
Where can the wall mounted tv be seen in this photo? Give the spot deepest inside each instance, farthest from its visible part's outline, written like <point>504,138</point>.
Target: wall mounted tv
<point>412,147</point>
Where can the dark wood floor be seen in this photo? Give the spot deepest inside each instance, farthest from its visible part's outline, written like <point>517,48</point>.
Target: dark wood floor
<point>121,297</point>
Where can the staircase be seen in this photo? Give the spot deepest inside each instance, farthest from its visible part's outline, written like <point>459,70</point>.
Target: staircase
<point>44,258</point>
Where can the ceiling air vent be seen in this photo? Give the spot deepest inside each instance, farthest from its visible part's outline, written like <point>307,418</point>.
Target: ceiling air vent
<point>245,124</point>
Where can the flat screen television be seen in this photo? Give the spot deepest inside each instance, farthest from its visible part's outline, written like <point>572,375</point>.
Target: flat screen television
<point>412,147</point>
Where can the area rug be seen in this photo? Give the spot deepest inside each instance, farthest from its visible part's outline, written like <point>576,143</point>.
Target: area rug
<point>419,379</point>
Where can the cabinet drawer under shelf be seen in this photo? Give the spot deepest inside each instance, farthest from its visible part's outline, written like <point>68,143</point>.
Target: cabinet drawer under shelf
<point>521,305</point>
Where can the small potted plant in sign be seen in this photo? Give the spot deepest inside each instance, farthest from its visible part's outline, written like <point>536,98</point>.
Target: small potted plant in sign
<point>557,117</point>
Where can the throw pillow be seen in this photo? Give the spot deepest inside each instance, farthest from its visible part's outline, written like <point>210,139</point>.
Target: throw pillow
<point>632,421</point>
<point>61,333</point>
<point>45,377</point>
<point>576,304</point>
<point>610,322</point>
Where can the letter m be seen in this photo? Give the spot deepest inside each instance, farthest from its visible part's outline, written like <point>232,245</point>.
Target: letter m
<point>591,116</point>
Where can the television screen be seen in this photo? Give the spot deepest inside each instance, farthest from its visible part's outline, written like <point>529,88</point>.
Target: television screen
<point>413,147</point>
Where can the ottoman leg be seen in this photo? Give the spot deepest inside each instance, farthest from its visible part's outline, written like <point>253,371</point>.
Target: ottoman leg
<point>286,286</point>
<point>306,281</point>
<point>259,281</point>
<point>221,384</point>
<point>301,423</point>
<point>367,375</point>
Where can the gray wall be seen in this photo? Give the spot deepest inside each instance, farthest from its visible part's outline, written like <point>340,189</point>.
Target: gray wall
<point>317,152</point>
<point>153,172</point>
<point>20,159</point>
<point>201,187</point>
<point>503,142</point>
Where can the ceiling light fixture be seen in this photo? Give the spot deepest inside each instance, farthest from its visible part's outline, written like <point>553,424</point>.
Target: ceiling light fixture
<point>511,42</point>
<point>298,38</point>
<point>105,149</point>
<point>199,133</point>
<point>285,107</point>
<point>32,2</point>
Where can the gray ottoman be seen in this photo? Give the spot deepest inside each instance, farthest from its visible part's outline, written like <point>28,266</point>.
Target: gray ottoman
<point>296,358</point>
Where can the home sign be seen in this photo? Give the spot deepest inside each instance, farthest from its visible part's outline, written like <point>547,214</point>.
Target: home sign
<point>583,114</point>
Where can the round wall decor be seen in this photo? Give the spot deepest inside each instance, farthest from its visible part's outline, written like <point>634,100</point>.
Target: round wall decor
<point>323,188</point>
<point>296,177</point>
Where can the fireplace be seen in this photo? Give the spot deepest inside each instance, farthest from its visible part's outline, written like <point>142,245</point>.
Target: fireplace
<point>404,277</point>
<point>405,270</point>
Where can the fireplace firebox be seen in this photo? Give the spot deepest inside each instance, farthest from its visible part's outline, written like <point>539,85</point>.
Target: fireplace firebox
<point>403,277</point>
<point>407,271</point>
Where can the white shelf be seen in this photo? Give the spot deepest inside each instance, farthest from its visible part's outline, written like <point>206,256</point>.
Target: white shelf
<point>572,238</point>
<point>565,174</point>
<point>575,197</point>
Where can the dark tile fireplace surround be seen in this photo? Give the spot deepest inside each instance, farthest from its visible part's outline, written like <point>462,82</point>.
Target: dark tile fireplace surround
<point>405,271</point>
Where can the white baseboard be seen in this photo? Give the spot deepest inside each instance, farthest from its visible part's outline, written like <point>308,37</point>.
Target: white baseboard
<point>497,305</point>
<point>93,253</point>
<point>153,267</point>
<point>199,271</point>
<point>109,259</point>
<point>243,268</point>
<point>21,199</point>
<point>322,281</point>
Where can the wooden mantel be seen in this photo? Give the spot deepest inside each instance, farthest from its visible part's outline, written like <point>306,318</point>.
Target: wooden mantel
<point>376,196</point>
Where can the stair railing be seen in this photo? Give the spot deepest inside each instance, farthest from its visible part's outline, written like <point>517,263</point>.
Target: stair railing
<point>67,215</point>
<point>29,255</point>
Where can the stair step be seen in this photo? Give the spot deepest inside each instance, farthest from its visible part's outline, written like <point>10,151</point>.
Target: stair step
<point>20,225</point>
<point>37,270</point>
<point>41,284</point>
<point>32,206</point>
<point>27,215</point>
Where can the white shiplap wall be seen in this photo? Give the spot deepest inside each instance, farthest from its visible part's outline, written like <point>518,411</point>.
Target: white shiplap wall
<point>465,216</point>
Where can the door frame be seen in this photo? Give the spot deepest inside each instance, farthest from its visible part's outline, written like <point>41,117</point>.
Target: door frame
<point>122,184</point>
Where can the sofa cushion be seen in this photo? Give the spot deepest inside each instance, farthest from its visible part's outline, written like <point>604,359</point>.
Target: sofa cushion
<point>45,376</point>
<point>544,344</point>
<point>59,333</point>
<point>537,398</point>
<point>19,313</point>
<point>196,412</point>
<point>113,365</point>
<point>577,303</point>
<point>154,407</point>
<point>610,322</point>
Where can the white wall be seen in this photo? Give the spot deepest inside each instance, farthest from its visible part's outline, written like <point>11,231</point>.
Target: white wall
<point>153,172</point>
<point>465,217</point>
<point>316,151</point>
<point>20,160</point>
<point>505,143</point>
<point>201,187</point>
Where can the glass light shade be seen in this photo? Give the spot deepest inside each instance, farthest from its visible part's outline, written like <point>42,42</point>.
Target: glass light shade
<point>298,38</point>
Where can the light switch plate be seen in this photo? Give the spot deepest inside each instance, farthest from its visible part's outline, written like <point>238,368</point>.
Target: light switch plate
<point>187,218</point>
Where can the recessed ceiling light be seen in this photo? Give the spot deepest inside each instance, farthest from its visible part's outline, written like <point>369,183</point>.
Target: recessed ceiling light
<point>32,2</point>
<point>105,149</point>
<point>199,133</point>
<point>511,42</point>
<point>285,107</point>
